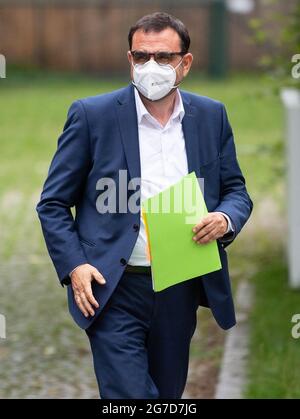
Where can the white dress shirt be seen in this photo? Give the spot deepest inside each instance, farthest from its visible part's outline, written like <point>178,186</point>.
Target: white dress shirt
<point>163,161</point>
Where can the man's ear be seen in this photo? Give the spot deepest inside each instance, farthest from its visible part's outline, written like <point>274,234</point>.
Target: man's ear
<point>187,63</point>
<point>129,56</point>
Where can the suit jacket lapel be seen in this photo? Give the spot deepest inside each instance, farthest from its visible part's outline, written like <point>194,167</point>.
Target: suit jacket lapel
<point>191,136</point>
<point>127,118</point>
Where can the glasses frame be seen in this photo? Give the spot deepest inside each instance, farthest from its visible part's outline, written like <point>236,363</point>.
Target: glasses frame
<point>154,55</point>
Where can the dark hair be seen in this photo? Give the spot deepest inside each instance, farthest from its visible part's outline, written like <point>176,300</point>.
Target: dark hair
<point>157,22</point>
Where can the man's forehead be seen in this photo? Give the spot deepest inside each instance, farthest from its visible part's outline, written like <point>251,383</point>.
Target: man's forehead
<point>167,39</point>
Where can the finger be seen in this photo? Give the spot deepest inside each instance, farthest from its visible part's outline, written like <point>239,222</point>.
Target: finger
<point>204,231</point>
<point>81,306</point>
<point>200,225</point>
<point>98,277</point>
<point>205,221</point>
<point>213,235</point>
<point>90,296</point>
<point>86,304</point>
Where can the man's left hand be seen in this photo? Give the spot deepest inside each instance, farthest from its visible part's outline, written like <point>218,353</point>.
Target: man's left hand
<point>212,227</point>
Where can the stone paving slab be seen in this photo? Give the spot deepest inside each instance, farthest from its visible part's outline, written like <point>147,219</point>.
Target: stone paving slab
<point>233,376</point>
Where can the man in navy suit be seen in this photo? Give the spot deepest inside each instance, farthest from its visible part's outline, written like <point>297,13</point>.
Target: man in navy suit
<point>150,134</point>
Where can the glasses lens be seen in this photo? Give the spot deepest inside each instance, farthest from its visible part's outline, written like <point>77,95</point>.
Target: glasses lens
<point>163,57</point>
<point>140,57</point>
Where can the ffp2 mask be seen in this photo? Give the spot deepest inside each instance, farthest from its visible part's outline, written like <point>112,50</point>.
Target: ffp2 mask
<point>153,80</point>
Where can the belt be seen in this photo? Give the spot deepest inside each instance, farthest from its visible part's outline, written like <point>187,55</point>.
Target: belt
<point>138,269</point>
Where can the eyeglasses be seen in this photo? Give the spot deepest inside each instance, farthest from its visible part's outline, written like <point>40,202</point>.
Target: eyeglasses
<point>161,57</point>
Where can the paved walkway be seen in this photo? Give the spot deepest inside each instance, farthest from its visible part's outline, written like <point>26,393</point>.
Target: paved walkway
<point>44,355</point>
<point>233,378</point>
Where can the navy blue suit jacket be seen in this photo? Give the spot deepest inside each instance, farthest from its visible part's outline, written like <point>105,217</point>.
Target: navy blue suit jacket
<point>100,138</point>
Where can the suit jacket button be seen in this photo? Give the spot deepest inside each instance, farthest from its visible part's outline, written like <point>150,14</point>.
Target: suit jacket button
<point>135,227</point>
<point>123,261</point>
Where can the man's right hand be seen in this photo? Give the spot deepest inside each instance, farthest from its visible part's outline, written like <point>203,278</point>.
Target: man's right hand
<point>81,279</point>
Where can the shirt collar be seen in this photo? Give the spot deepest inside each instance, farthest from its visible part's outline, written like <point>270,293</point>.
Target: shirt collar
<point>178,111</point>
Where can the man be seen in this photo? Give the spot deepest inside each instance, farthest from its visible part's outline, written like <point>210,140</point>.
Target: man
<point>140,339</point>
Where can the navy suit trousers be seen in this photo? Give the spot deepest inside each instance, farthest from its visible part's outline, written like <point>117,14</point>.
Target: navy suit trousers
<point>141,340</point>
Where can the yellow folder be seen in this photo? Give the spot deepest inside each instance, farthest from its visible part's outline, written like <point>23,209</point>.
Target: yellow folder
<point>169,218</point>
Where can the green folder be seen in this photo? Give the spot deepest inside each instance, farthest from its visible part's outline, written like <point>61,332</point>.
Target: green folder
<point>169,218</point>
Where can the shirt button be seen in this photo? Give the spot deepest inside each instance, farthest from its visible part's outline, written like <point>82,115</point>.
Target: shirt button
<point>135,227</point>
<point>123,261</point>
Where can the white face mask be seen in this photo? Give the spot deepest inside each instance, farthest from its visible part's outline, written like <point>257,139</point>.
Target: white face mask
<point>154,81</point>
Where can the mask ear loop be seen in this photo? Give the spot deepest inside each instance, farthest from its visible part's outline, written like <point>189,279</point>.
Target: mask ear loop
<point>132,82</point>
<point>175,68</point>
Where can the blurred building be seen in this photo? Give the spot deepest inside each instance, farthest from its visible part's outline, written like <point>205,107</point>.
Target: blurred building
<point>91,35</point>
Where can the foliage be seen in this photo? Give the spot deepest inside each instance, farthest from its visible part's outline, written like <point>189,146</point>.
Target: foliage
<point>281,46</point>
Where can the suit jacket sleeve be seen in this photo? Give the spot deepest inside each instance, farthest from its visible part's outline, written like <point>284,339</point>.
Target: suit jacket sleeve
<point>234,199</point>
<point>62,190</point>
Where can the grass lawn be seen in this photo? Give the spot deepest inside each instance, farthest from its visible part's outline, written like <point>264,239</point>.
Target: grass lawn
<point>274,364</point>
<point>38,352</point>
